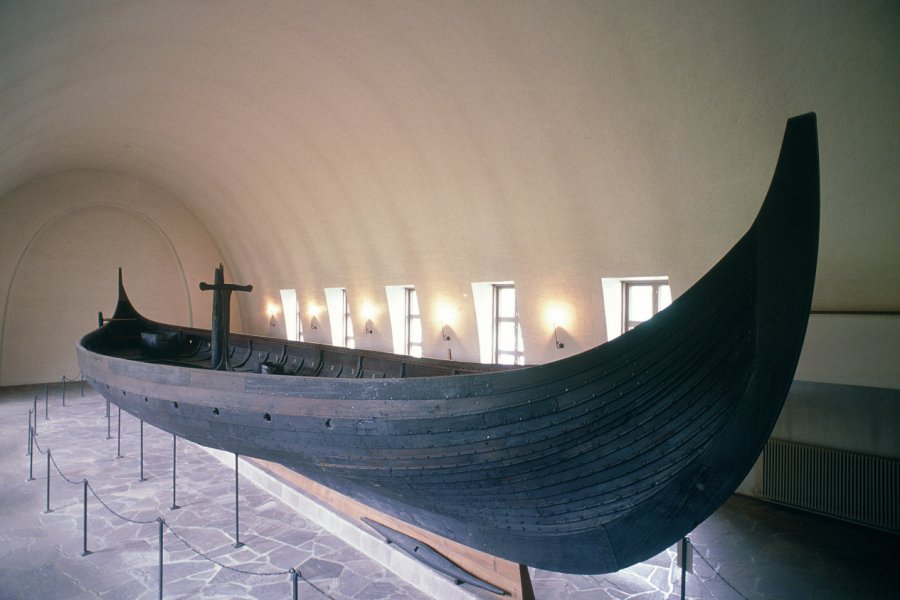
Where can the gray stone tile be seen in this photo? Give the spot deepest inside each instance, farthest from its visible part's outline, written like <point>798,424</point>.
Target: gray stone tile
<point>763,551</point>
<point>316,568</point>
<point>123,560</point>
<point>379,589</point>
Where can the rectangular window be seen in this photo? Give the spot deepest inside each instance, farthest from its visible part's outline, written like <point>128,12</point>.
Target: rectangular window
<point>641,299</point>
<point>349,341</point>
<point>413,324</point>
<point>508,344</point>
<point>293,327</point>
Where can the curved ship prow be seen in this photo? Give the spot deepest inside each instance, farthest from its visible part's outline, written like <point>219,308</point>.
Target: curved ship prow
<point>584,465</point>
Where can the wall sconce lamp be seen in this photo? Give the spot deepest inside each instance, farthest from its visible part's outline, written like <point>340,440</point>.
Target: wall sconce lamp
<point>368,313</point>
<point>558,315</point>
<point>313,316</point>
<point>272,310</point>
<point>447,315</point>
<point>559,344</point>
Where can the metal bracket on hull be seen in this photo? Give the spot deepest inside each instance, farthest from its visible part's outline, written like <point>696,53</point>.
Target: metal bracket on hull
<point>429,556</point>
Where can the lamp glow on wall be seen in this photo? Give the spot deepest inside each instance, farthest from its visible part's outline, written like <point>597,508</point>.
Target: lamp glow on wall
<point>272,310</point>
<point>314,310</point>
<point>447,315</point>
<point>558,315</point>
<point>368,313</point>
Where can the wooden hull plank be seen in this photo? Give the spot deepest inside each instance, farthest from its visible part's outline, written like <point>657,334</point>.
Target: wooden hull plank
<point>585,465</point>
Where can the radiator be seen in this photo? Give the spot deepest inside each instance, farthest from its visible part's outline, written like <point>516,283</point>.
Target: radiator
<point>857,487</point>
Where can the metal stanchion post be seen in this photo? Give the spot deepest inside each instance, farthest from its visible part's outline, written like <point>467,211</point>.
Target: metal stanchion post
<point>174,448</point>
<point>31,456</point>
<point>46,401</point>
<point>119,434</point>
<point>82,384</point>
<point>63,390</point>
<point>684,558</point>
<point>85,551</point>
<point>28,447</point>
<point>142,452</point>
<point>161,522</point>
<point>237,535</point>
<point>295,575</point>
<point>34,413</point>
<point>108,417</point>
<point>48,483</point>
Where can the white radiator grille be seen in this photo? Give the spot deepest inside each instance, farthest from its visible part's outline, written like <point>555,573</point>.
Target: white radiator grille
<point>849,485</point>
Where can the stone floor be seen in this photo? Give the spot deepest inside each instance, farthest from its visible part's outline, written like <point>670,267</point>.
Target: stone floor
<point>40,554</point>
<point>747,549</point>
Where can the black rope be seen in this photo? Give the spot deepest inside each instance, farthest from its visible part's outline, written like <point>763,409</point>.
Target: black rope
<point>173,532</point>
<point>214,561</point>
<point>719,575</point>
<point>313,586</point>
<point>123,517</point>
<point>93,491</point>
<point>244,571</point>
<point>63,475</point>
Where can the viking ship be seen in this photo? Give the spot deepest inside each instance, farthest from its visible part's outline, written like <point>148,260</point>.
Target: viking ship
<point>586,465</point>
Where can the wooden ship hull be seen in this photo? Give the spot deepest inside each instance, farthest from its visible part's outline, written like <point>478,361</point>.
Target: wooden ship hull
<point>585,465</point>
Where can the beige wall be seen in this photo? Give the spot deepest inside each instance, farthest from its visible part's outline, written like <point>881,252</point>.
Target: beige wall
<point>62,238</point>
<point>364,144</point>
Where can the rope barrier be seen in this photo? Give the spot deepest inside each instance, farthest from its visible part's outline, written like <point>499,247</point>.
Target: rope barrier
<point>716,574</point>
<point>214,561</point>
<point>110,509</point>
<point>33,439</point>
<point>63,475</point>
<point>72,379</point>
<point>292,572</point>
<point>36,445</point>
<point>719,575</point>
<point>313,586</point>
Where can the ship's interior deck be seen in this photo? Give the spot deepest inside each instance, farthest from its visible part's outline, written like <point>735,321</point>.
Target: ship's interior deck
<point>250,354</point>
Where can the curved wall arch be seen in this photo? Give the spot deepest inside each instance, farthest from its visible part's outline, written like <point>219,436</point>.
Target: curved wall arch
<point>58,266</point>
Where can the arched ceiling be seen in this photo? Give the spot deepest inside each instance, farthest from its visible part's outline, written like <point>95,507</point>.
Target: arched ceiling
<point>327,142</point>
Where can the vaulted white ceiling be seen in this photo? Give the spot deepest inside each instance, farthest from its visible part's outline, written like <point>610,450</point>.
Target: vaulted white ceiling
<point>369,143</point>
